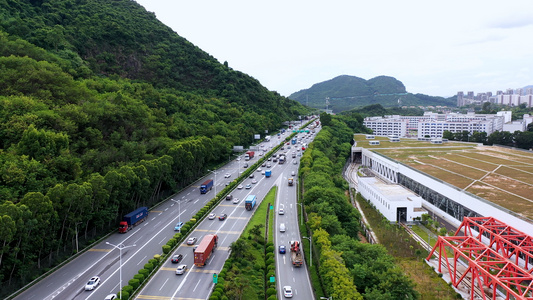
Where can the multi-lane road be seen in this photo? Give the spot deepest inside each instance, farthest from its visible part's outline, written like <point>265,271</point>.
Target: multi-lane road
<point>147,239</point>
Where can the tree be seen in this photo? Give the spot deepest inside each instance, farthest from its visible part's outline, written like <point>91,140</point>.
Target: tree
<point>325,119</point>
<point>238,248</point>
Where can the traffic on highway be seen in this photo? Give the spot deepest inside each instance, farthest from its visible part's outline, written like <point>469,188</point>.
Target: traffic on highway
<point>100,271</point>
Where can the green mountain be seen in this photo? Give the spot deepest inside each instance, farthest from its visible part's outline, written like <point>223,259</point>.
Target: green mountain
<point>348,92</point>
<point>104,109</point>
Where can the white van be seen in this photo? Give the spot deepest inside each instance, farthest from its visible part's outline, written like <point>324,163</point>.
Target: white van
<point>282,227</point>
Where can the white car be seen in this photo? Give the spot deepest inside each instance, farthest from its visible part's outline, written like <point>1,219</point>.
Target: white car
<point>227,175</point>
<point>236,200</point>
<point>191,241</point>
<point>211,216</point>
<point>287,291</point>
<point>240,187</point>
<point>281,211</point>
<point>181,269</point>
<point>110,297</point>
<point>93,283</point>
<point>259,170</point>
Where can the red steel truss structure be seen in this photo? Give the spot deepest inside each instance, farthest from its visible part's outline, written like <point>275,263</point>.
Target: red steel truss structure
<point>506,240</point>
<point>492,270</point>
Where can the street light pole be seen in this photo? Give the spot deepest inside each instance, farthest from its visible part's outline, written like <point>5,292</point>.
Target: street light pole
<point>120,247</point>
<point>310,249</point>
<point>301,212</point>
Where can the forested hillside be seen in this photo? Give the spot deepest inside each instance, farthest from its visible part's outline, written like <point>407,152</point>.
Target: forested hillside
<point>104,109</point>
<point>348,92</point>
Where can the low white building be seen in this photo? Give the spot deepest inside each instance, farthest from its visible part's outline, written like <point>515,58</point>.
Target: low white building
<point>393,201</point>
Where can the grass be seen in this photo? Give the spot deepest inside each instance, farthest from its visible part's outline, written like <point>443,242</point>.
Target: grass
<point>428,283</point>
<point>259,216</point>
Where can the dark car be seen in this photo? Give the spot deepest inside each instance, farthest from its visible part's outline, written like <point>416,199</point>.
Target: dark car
<point>176,258</point>
<point>222,217</point>
<point>282,249</point>
<point>251,175</point>
<point>229,197</point>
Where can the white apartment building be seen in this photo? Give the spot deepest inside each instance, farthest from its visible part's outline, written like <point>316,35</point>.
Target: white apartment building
<point>511,97</point>
<point>388,125</point>
<point>434,125</point>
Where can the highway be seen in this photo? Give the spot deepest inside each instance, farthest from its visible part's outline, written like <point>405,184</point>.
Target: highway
<point>286,273</point>
<point>139,244</point>
<point>197,282</point>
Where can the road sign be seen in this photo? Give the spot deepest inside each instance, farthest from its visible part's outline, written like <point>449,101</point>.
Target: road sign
<point>215,278</point>
<point>272,279</point>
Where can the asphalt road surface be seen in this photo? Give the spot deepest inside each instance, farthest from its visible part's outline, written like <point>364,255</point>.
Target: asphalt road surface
<point>147,239</point>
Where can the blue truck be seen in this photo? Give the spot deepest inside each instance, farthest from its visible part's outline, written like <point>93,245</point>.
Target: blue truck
<point>206,186</point>
<point>133,218</point>
<point>293,141</point>
<point>249,202</point>
<point>268,173</point>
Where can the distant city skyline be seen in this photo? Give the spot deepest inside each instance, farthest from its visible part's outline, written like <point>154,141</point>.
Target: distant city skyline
<point>434,48</point>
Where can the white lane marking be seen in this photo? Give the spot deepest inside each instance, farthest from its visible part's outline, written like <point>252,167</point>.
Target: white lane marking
<point>140,261</point>
<point>164,239</point>
<point>73,279</point>
<point>196,285</point>
<point>163,284</point>
<point>133,255</point>
<point>182,282</point>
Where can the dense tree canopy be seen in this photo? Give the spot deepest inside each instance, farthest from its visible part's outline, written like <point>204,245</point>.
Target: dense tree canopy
<point>104,109</point>
<point>349,269</point>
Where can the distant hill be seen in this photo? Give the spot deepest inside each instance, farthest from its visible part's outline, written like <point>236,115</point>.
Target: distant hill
<point>348,92</point>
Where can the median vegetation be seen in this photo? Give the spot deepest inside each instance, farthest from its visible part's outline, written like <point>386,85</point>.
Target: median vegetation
<point>246,273</point>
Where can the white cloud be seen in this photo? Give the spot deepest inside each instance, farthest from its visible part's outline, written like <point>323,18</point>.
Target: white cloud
<point>435,48</point>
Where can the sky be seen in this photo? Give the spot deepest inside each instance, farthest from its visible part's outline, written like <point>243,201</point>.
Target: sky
<point>435,48</point>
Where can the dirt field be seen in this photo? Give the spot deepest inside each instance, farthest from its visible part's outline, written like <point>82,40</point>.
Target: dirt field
<point>501,175</point>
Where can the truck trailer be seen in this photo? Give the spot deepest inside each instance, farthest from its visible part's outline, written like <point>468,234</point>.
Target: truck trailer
<point>249,155</point>
<point>249,202</point>
<point>206,186</point>
<point>205,249</point>
<point>296,254</point>
<point>268,173</point>
<point>133,218</point>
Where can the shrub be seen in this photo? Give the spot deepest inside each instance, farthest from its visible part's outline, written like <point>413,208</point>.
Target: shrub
<point>139,277</point>
<point>149,267</point>
<point>172,241</point>
<point>271,291</point>
<point>128,289</point>
<point>166,249</point>
<point>144,272</point>
<point>134,283</point>
<point>177,235</point>
<point>123,295</point>
<point>215,294</point>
